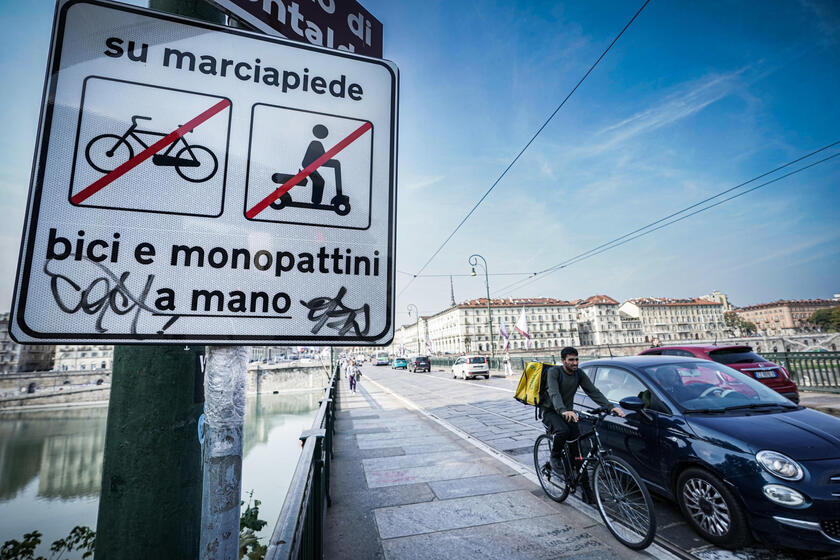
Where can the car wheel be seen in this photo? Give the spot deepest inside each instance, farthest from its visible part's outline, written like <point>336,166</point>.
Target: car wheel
<point>711,509</point>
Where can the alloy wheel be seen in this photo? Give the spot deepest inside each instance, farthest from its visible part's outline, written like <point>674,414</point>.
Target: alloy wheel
<point>706,506</point>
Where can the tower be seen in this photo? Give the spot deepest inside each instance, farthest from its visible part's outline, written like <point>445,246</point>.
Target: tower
<point>451,292</point>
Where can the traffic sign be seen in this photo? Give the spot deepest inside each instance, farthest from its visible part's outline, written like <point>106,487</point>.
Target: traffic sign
<point>201,184</point>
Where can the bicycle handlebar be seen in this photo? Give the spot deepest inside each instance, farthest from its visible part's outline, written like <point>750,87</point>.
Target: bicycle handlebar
<point>600,413</point>
<point>135,118</point>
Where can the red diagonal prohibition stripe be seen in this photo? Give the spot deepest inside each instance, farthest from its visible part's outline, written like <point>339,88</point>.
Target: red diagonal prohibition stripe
<point>306,171</point>
<point>173,136</point>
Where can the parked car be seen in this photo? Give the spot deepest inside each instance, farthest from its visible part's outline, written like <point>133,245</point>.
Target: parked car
<point>468,367</point>
<point>419,363</point>
<point>739,357</point>
<point>739,459</point>
<point>399,363</point>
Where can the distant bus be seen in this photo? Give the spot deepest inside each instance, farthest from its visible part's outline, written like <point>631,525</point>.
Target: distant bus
<point>381,358</point>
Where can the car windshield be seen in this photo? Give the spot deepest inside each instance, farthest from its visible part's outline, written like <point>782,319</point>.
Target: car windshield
<point>711,387</point>
<point>478,360</point>
<point>422,360</point>
<point>741,355</point>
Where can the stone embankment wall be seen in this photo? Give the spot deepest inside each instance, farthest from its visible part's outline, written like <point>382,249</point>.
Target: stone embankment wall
<point>65,388</point>
<point>282,378</point>
<point>48,379</point>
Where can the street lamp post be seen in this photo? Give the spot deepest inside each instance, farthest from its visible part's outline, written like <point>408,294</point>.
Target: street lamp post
<point>474,262</point>
<point>416,324</point>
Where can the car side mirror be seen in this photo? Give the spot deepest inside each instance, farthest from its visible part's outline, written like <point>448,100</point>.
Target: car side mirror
<point>631,403</point>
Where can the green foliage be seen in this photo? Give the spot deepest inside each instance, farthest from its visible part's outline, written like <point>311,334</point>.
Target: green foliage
<point>249,524</point>
<point>82,539</point>
<point>733,320</point>
<point>827,319</point>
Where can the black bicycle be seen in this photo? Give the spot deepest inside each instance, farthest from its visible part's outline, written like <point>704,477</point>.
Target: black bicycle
<point>192,162</point>
<point>622,498</point>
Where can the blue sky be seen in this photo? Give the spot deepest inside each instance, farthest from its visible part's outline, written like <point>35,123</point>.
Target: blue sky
<point>693,99</point>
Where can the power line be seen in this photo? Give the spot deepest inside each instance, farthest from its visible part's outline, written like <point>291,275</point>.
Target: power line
<point>651,224</point>
<point>460,274</point>
<point>522,151</point>
<point>625,239</point>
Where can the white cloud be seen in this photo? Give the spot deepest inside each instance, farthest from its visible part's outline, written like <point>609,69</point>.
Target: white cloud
<point>421,182</point>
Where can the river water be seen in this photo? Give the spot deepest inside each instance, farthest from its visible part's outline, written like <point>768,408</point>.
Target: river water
<point>51,463</point>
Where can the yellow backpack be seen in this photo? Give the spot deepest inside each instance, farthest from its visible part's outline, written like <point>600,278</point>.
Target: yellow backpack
<point>533,385</point>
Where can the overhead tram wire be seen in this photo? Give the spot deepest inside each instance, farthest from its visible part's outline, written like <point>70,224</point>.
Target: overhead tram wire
<point>460,274</point>
<point>522,151</point>
<point>574,260</point>
<point>678,212</point>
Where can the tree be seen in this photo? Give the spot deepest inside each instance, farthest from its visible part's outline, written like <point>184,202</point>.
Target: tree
<point>735,321</point>
<point>827,319</point>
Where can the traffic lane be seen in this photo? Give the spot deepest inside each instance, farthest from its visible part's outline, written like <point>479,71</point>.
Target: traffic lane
<point>485,410</point>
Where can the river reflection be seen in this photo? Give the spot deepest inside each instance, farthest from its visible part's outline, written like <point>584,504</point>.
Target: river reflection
<point>51,462</point>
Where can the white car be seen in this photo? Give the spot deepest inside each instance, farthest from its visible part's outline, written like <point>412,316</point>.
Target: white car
<point>467,367</point>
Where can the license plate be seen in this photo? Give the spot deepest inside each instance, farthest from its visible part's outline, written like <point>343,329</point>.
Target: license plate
<point>764,374</point>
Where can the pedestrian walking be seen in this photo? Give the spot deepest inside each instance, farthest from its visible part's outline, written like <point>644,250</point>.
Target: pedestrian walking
<point>358,374</point>
<point>351,373</point>
<point>508,370</point>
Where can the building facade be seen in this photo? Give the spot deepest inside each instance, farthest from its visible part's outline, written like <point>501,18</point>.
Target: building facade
<point>721,298</point>
<point>667,319</point>
<point>784,316</point>
<point>600,322</point>
<point>82,358</point>
<point>16,358</point>
<point>465,327</point>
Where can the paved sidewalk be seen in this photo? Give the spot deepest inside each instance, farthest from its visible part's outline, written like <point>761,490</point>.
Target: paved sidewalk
<point>405,487</point>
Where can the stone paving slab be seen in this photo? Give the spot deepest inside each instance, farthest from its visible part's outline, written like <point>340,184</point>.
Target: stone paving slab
<point>427,473</point>
<point>447,489</point>
<point>543,538</point>
<point>421,460</point>
<point>442,515</point>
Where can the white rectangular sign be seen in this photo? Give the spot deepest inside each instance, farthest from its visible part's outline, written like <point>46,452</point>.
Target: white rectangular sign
<point>196,183</point>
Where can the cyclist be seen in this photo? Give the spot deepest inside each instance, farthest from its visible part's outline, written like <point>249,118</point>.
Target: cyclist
<point>559,416</point>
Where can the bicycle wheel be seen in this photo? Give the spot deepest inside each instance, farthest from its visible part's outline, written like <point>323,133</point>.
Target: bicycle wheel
<point>106,152</point>
<point>206,168</point>
<point>624,503</point>
<point>555,484</point>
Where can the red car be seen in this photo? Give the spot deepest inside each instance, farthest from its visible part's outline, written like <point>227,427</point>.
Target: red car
<point>741,358</point>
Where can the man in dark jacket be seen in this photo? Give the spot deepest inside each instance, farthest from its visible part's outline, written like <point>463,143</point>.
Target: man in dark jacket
<point>559,417</point>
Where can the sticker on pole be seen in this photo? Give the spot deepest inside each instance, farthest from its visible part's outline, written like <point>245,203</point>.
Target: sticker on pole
<point>201,184</point>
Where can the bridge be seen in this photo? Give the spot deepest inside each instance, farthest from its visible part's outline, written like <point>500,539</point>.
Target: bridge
<point>426,466</point>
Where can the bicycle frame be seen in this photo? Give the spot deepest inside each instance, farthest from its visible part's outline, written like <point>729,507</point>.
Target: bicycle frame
<point>133,132</point>
<point>595,452</point>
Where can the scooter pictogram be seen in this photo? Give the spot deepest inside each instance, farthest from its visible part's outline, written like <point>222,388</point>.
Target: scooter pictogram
<point>340,203</point>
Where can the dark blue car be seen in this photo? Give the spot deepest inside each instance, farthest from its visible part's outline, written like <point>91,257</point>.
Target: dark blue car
<point>740,460</point>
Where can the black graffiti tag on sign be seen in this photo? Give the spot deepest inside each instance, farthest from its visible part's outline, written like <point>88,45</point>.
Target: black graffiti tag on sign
<point>335,24</point>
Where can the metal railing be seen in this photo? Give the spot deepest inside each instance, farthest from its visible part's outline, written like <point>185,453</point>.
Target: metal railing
<point>517,363</point>
<point>299,532</point>
<point>811,371</point>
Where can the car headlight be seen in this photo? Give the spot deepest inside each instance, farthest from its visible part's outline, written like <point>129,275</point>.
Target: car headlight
<point>783,495</point>
<point>779,465</point>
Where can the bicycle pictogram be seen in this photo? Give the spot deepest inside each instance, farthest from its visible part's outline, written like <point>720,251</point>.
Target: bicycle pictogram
<point>193,162</point>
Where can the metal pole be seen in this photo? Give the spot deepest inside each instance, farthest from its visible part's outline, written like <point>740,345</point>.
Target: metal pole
<point>416,323</point>
<point>474,262</point>
<point>224,410</point>
<point>150,500</point>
